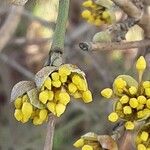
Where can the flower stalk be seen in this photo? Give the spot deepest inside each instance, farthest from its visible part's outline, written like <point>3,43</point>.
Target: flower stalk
<point>57,48</point>
<point>55,58</point>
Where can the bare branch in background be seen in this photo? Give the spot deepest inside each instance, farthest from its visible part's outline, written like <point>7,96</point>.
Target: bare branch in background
<point>146,2</point>
<point>18,2</point>
<point>24,41</point>
<point>128,7</point>
<point>10,25</point>
<point>113,45</point>
<point>16,66</point>
<point>119,30</point>
<point>132,11</point>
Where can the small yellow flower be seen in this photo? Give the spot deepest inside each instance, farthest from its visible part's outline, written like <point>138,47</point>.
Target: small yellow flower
<point>113,117</point>
<point>64,98</point>
<point>147,92</point>
<point>63,78</point>
<point>18,103</point>
<point>124,99</point>
<point>87,3</point>
<point>18,114</point>
<point>43,114</point>
<point>56,83</point>
<point>98,22</point>
<point>146,84</point>
<point>51,107</point>
<point>141,99</point>
<point>127,110</point>
<point>141,64</point>
<point>148,103</point>
<point>48,83</point>
<point>50,95</point>
<point>82,85</point>
<point>141,147</point>
<point>89,141</point>
<point>105,14</point>
<point>37,121</point>
<point>87,147</point>
<point>133,103</point>
<point>133,90</point>
<point>72,88</point>
<point>144,136</point>
<point>79,143</point>
<point>27,109</point>
<point>76,79</point>
<point>86,14</point>
<point>64,71</point>
<point>44,96</point>
<point>55,76</point>
<point>87,96</point>
<point>60,108</point>
<point>119,106</point>
<point>77,95</point>
<point>107,93</point>
<point>120,83</point>
<point>97,14</point>
<point>25,98</point>
<point>129,125</point>
<point>140,114</point>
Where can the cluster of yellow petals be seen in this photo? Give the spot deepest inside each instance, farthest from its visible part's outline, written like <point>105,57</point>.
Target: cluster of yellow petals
<point>95,14</point>
<point>59,86</point>
<point>142,138</point>
<point>25,111</point>
<point>85,144</point>
<point>133,102</point>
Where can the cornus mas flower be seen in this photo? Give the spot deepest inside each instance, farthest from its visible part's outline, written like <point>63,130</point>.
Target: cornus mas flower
<point>25,111</point>
<point>143,137</point>
<point>92,141</point>
<point>59,84</point>
<point>96,13</point>
<point>25,100</point>
<point>132,98</point>
<point>50,94</point>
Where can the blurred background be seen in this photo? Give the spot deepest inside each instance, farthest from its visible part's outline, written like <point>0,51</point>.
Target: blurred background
<point>26,52</point>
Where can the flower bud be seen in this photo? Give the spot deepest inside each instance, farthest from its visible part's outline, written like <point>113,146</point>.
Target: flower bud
<point>141,64</point>
<point>107,93</point>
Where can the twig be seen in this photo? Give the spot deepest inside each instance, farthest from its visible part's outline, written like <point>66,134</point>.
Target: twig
<point>109,46</point>
<point>132,11</point>
<point>128,7</point>
<point>146,2</point>
<point>55,58</point>
<point>30,16</point>
<point>50,133</point>
<point>10,25</point>
<point>125,143</point>
<point>16,66</point>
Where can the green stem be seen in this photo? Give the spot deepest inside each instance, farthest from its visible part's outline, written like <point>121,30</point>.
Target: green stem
<point>59,34</point>
<point>55,58</point>
<point>55,54</point>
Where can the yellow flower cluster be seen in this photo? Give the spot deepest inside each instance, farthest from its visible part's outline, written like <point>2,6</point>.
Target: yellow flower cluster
<point>25,111</point>
<point>59,86</point>
<point>87,143</point>
<point>49,94</point>
<point>133,98</point>
<point>96,14</point>
<point>143,137</point>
